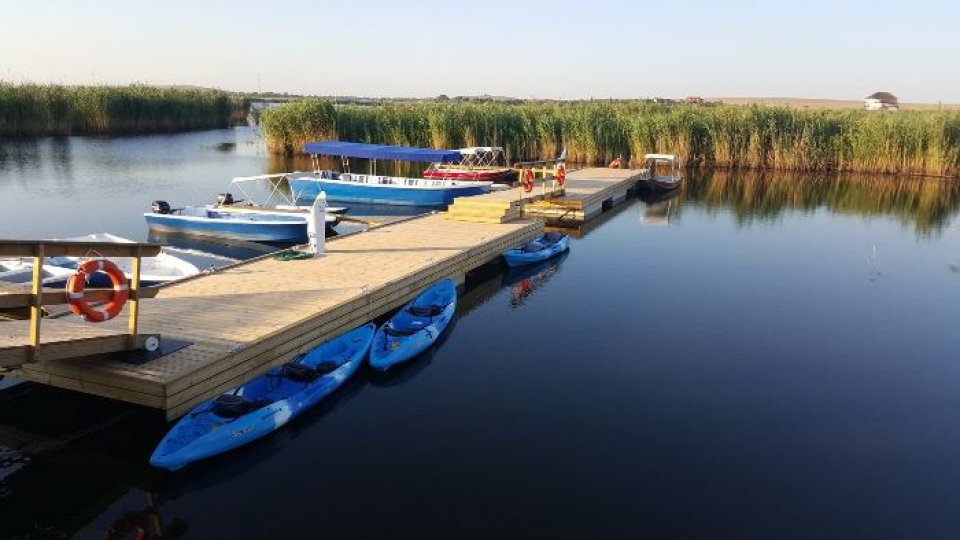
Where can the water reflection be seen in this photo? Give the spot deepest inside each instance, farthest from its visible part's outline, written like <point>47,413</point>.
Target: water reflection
<point>526,280</point>
<point>925,204</point>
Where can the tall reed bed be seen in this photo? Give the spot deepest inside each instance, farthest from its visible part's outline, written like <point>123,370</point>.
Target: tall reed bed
<point>36,109</point>
<point>922,142</point>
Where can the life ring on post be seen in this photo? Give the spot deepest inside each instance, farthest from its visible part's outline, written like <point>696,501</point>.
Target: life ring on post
<point>560,174</point>
<point>77,282</point>
<point>527,180</point>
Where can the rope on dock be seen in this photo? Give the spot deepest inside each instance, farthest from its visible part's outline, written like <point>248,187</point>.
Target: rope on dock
<point>292,255</point>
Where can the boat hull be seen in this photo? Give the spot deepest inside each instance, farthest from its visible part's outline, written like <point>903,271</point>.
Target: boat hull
<point>246,230</point>
<point>388,350</point>
<point>307,189</point>
<point>502,175</point>
<point>218,435</point>
<point>663,184</point>
<point>517,257</point>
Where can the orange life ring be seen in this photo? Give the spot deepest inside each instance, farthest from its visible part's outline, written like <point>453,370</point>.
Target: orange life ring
<point>560,174</point>
<point>527,180</point>
<point>77,282</point>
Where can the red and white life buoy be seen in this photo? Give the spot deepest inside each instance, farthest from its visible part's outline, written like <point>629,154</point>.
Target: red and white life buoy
<point>527,180</point>
<point>77,282</point>
<point>560,174</point>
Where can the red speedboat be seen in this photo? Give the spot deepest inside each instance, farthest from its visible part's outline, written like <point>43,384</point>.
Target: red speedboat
<point>479,163</point>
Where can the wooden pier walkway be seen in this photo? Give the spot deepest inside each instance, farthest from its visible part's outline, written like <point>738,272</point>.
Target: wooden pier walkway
<point>586,193</point>
<point>240,321</point>
<point>221,329</point>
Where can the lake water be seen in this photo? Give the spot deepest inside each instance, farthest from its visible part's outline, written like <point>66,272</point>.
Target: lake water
<point>758,357</point>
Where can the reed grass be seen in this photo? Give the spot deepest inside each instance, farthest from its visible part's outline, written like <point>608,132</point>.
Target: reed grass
<point>595,132</point>
<point>36,109</point>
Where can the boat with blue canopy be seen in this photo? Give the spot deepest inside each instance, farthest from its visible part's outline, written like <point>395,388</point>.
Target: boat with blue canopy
<point>377,189</point>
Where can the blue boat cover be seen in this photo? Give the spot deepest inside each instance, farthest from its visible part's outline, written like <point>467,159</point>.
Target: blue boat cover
<point>380,151</point>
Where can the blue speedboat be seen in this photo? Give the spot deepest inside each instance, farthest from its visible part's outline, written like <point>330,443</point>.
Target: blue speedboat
<point>265,403</point>
<point>541,249</point>
<point>415,327</point>
<point>212,221</point>
<point>376,189</point>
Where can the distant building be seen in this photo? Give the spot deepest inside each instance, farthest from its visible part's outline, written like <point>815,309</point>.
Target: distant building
<point>881,101</point>
<point>694,99</point>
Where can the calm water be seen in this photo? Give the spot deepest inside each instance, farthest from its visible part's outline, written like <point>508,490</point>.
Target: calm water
<point>755,358</point>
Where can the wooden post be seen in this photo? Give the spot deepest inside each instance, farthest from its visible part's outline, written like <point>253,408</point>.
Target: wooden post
<point>36,303</point>
<point>134,300</point>
<point>543,191</point>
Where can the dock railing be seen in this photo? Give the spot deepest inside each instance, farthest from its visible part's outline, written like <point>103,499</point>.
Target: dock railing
<point>545,168</point>
<point>39,250</point>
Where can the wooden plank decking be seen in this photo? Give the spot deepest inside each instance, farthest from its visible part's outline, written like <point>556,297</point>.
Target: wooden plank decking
<point>243,320</point>
<point>586,193</point>
<point>582,198</point>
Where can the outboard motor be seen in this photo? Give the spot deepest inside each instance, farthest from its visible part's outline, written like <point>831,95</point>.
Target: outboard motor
<point>225,199</point>
<point>161,207</point>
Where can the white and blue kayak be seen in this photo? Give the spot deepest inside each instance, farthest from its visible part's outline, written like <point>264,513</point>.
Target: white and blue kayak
<point>264,404</point>
<point>415,327</point>
<point>541,249</point>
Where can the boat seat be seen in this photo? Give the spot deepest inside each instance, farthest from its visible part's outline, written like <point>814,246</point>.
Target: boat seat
<point>298,372</point>
<point>234,406</point>
<point>426,311</point>
<point>391,331</point>
<point>532,247</point>
<point>552,237</point>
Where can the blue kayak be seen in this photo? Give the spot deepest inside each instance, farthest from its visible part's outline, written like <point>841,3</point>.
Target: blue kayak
<point>265,403</point>
<point>415,327</point>
<point>541,249</point>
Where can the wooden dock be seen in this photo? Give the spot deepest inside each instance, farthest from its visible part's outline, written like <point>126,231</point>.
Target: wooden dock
<point>221,329</point>
<point>585,195</point>
<point>238,322</point>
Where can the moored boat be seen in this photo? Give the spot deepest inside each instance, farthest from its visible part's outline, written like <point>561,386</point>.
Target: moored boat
<point>264,404</point>
<point>377,189</point>
<point>478,163</point>
<point>415,327</point>
<point>21,271</point>
<point>660,182</point>
<point>547,246</point>
<point>153,270</point>
<point>232,225</point>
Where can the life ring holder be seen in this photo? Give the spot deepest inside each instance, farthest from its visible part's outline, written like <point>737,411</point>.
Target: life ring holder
<point>77,282</point>
<point>560,174</point>
<point>527,180</point>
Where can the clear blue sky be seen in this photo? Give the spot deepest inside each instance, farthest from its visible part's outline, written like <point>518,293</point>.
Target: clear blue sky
<point>557,49</point>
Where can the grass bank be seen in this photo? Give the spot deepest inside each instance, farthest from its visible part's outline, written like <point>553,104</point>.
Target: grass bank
<point>915,142</point>
<point>37,109</point>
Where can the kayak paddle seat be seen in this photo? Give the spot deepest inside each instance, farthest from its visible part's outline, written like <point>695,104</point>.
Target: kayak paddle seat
<point>426,311</point>
<point>551,238</point>
<point>532,247</point>
<point>392,331</point>
<point>297,372</point>
<point>233,406</point>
